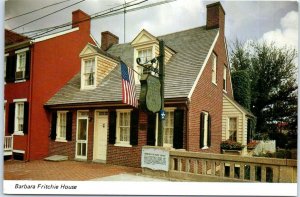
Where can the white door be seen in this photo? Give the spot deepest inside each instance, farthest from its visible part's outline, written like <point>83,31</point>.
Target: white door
<point>81,136</point>
<point>100,136</point>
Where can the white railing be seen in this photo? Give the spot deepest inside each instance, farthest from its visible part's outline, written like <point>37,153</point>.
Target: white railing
<point>8,145</point>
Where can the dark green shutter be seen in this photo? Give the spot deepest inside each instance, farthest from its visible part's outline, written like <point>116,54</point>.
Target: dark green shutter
<point>178,129</point>
<point>11,118</point>
<point>27,69</point>
<point>151,129</point>
<point>10,68</point>
<point>202,130</point>
<point>69,126</point>
<point>53,125</point>
<point>134,127</point>
<point>208,130</point>
<point>112,127</point>
<point>26,115</point>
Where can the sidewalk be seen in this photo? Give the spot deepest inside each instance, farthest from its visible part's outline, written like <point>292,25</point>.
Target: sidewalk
<point>65,170</point>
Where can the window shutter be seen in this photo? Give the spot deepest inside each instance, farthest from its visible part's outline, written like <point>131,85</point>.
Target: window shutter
<point>134,127</point>
<point>11,118</point>
<point>69,126</point>
<point>27,69</point>
<point>178,129</point>
<point>201,130</point>
<point>112,127</point>
<point>53,125</point>
<point>10,68</point>
<point>209,130</point>
<point>26,115</point>
<point>151,129</point>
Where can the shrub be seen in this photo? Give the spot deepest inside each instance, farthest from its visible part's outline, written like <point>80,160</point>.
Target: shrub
<point>231,145</point>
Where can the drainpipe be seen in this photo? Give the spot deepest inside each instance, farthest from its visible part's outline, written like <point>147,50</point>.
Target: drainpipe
<point>30,101</point>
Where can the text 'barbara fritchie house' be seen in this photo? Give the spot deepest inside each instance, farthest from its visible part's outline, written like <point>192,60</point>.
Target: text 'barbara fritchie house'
<point>90,122</point>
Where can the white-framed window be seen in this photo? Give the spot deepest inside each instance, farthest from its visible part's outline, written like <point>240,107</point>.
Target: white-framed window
<point>21,65</point>
<point>145,55</point>
<point>123,127</point>
<point>225,78</point>
<point>214,68</point>
<point>61,126</point>
<point>19,118</point>
<point>168,128</point>
<point>232,128</point>
<point>205,131</point>
<point>88,73</point>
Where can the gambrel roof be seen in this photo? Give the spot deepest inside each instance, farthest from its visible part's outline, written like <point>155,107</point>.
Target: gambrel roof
<point>192,49</point>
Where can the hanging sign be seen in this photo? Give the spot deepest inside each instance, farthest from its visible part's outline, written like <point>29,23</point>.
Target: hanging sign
<point>150,98</point>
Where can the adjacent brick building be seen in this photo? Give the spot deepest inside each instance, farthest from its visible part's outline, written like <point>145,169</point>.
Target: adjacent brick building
<point>35,70</point>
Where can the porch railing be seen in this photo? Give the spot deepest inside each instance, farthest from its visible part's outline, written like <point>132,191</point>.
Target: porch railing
<point>229,168</point>
<point>8,145</point>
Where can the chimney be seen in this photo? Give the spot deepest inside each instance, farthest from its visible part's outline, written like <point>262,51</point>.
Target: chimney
<point>215,16</point>
<point>108,39</point>
<point>81,19</point>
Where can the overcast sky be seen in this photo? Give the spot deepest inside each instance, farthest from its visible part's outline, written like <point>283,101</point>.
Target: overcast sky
<point>245,20</point>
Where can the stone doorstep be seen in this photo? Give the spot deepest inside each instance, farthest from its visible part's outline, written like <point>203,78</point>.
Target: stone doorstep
<point>56,158</point>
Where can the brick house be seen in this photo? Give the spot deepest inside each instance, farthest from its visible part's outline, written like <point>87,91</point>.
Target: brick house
<point>35,69</point>
<point>89,122</point>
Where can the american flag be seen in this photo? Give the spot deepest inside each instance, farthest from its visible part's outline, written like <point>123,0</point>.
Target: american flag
<point>128,86</point>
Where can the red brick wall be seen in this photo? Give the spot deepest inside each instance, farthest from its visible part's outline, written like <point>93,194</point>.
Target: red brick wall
<point>208,97</point>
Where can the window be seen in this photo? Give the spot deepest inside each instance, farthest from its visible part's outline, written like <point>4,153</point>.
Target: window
<point>61,125</point>
<point>205,130</point>
<point>88,73</point>
<point>123,127</point>
<point>214,68</point>
<point>19,118</point>
<point>21,65</point>
<point>232,129</point>
<point>169,128</point>
<point>224,78</point>
<point>145,55</point>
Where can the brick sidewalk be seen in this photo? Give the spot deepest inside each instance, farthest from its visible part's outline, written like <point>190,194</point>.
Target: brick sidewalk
<point>65,170</point>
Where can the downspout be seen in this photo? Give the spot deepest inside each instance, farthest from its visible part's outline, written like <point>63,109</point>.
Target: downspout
<point>30,101</point>
<point>187,105</point>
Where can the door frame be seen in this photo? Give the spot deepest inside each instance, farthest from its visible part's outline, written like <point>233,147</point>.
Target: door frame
<point>95,128</point>
<point>87,129</point>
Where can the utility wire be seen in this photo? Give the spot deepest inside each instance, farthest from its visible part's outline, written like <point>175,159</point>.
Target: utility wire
<point>36,10</point>
<point>48,14</point>
<point>92,17</point>
<point>108,14</point>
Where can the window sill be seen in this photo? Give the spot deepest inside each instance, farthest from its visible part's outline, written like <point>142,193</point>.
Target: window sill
<point>61,140</point>
<point>204,148</point>
<point>122,145</point>
<point>18,133</point>
<point>88,88</point>
<point>20,81</point>
<point>224,91</point>
<point>214,83</point>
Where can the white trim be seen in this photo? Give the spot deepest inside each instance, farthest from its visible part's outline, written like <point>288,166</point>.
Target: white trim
<point>20,100</point>
<point>60,140</point>
<point>20,81</point>
<point>204,64</point>
<point>85,117</point>
<point>228,66</point>
<point>6,54</point>
<point>18,133</point>
<point>122,144</point>
<point>82,79</point>
<point>58,124</point>
<point>95,41</point>
<point>55,35</point>
<point>22,50</point>
<point>118,142</point>
<point>19,151</point>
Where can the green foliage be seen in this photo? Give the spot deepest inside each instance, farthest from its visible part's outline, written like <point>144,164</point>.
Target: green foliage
<point>231,145</point>
<point>273,86</point>
<point>242,87</point>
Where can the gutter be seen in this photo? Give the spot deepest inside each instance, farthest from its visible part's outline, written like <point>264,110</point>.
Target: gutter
<point>18,45</point>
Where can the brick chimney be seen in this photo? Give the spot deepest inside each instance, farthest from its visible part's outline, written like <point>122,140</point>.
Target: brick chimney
<point>215,16</point>
<point>108,39</point>
<point>81,19</point>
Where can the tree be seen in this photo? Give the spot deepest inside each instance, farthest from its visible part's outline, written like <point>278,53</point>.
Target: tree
<point>272,73</point>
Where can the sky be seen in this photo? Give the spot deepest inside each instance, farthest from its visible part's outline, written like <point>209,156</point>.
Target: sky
<point>275,21</point>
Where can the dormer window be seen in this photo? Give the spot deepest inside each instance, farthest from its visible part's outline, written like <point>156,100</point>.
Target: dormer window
<point>145,55</point>
<point>88,73</point>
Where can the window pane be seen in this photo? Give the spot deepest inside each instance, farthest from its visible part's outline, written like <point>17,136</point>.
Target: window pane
<point>82,125</point>
<point>89,71</point>
<point>233,129</point>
